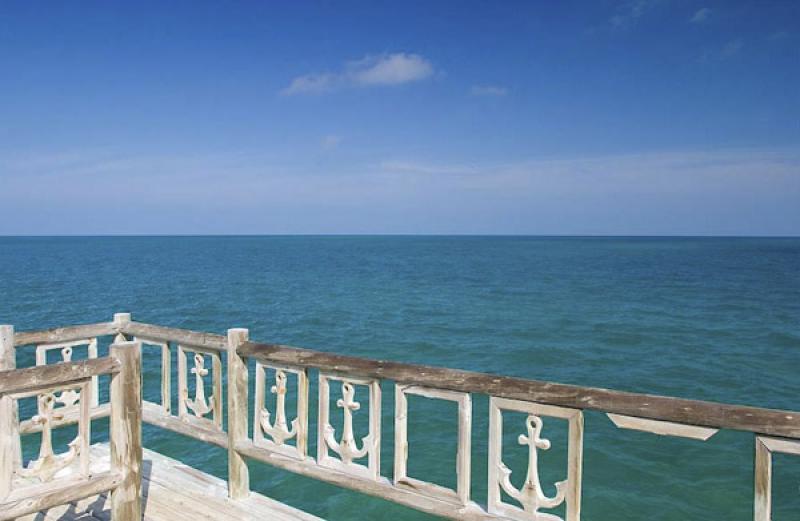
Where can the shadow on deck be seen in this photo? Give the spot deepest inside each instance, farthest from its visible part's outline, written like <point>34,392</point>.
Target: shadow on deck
<point>171,491</point>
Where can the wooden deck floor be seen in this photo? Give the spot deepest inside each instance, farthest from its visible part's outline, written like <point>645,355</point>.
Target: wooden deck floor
<point>176,491</point>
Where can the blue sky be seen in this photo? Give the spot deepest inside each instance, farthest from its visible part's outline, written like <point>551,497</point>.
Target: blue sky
<point>601,117</point>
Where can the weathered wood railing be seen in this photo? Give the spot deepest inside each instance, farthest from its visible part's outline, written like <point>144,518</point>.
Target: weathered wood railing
<point>343,460</point>
<point>65,393</point>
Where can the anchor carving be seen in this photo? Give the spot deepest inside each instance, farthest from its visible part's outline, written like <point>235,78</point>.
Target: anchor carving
<point>530,495</point>
<point>199,406</point>
<point>71,397</point>
<point>48,463</point>
<point>347,449</point>
<point>280,431</point>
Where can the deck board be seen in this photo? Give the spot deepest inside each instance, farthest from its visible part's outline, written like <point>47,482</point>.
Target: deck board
<point>173,491</point>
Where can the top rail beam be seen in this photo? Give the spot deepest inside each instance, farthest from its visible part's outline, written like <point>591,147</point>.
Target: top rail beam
<point>33,378</point>
<point>65,334</point>
<point>693,412</point>
<point>171,334</point>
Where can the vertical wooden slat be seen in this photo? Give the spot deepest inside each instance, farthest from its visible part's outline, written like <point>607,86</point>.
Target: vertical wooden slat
<point>7,445</point>
<point>495,455</point>
<point>464,457</point>
<point>323,418</point>
<point>302,412</point>
<point>183,389</point>
<point>575,467</point>
<point>166,377</point>
<point>400,433</point>
<point>762,505</point>
<point>374,456</point>
<point>85,425</point>
<point>126,432</point>
<point>8,361</point>
<point>216,388</point>
<point>238,475</point>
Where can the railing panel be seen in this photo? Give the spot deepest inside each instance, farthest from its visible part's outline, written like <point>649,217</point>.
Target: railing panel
<point>273,430</point>
<point>463,455</point>
<point>66,351</point>
<point>530,496</point>
<point>765,447</point>
<point>166,369</point>
<point>346,447</point>
<point>56,476</point>
<point>197,409</point>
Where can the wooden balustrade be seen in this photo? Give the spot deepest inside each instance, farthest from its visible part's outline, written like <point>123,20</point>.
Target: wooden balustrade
<point>347,460</point>
<point>62,389</point>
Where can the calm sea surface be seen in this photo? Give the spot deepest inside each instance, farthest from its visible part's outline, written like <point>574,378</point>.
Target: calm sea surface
<point>714,319</point>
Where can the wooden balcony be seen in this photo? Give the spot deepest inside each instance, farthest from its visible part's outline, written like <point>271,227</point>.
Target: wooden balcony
<point>123,481</point>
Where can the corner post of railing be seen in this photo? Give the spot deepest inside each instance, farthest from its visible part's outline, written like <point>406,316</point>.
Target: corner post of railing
<point>8,362</point>
<point>126,432</point>
<point>9,438</point>
<point>120,321</point>
<point>238,475</point>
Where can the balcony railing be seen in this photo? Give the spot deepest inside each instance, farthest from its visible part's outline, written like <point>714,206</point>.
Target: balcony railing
<point>67,394</point>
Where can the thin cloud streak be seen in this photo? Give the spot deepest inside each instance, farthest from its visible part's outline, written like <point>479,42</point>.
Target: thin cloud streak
<point>370,71</point>
<point>700,16</point>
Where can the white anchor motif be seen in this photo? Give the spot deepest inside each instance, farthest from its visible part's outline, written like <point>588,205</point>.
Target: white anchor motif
<point>347,448</point>
<point>199,406</point>
<point>71,397</point>
<point>530,495</point>
<point>48,463</point>
<point>280,431</point>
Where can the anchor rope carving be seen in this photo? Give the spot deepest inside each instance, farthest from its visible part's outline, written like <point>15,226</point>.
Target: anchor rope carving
<point>530,495</point>
<point>279,431</point>
<point>199,406</point>
<point>347,449</point>
<point>48,463</point>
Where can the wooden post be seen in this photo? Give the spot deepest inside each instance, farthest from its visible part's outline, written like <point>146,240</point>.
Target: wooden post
<point>8,361</point>
<point>238,474</point>
<point>762,504</point>
<point>121,320</point>
<point>126,432</point>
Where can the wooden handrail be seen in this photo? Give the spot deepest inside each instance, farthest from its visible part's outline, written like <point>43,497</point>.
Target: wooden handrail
<point>692,412</point>
<point>33,378</point>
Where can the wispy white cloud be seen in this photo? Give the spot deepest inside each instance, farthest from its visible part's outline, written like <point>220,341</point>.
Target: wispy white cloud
<point>488,90</point>
<point>373,70</point>
<point>700,16</point>
<point>630,12</point>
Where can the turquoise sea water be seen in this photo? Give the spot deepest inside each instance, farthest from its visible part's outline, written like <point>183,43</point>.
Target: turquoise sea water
<point>715,319</point>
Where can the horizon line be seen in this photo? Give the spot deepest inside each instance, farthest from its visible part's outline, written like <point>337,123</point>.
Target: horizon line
<point>538,235</point>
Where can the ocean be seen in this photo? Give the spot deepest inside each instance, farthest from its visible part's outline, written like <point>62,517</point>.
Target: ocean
<point>706,318</point>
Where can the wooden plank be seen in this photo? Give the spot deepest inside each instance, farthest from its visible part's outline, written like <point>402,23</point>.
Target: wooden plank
<point>662,428</point>
<point>181,336</point>
<point>33,378</point>
<point>154,415</point>
<point>677,410</point>
<point>126,431</point>
<point>238,476</point>
<point>380,487</point>
<point>57,493</point>
<point>68,417</point>
<point>64,334</point>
